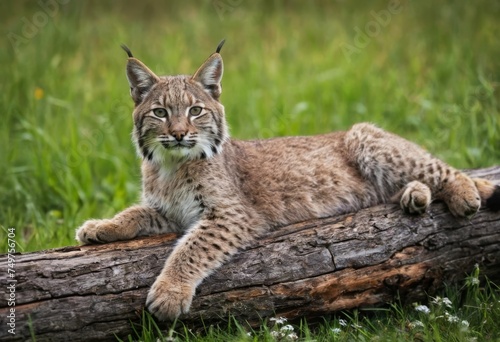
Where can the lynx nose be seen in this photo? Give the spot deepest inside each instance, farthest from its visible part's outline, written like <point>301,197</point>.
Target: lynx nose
<point>179,135</point>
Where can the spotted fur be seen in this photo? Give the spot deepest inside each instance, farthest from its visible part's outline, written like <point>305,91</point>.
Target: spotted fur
<point>223,193</point>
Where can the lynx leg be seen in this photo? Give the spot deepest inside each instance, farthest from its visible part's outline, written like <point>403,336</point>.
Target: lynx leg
<point>414,198</point>
<point>389,162</point>
<point>130,223</point>
<point>205,247</point>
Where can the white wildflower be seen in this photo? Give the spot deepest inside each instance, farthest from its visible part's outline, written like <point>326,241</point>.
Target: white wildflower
<point>451,318</point>
<point>336,331</point>
<point>278,320</point>
<point>447,302</point>
<point>249,334</point>
<point>464,325</point>
<point>416,324</point>
<point>474,281</point>
<point>287,328</point>
<point>423,308</point>
<point>440,301</point>
<point>276,334</point>
<point>292,336</point>
<point>343,322</point>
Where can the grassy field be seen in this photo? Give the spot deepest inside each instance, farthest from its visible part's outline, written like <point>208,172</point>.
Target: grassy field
<point>429,72</point>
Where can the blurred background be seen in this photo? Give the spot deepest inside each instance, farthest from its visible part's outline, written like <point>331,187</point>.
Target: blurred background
<point>429,71</point>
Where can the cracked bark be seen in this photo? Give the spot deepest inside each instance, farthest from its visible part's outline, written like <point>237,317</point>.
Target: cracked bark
<point>309,269</point>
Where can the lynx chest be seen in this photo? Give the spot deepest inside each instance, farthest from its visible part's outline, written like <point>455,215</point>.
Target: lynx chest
<point>178,198</point>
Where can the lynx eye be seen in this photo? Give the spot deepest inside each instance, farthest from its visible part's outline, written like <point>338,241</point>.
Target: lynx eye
<point>195,111</point>
<point>160,112</point>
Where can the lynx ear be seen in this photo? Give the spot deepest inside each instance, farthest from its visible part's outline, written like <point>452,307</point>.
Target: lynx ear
<point>209,75</point>
<point>140,78</point>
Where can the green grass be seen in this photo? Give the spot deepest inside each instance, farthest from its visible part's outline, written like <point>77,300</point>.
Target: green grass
<point>430,73</point>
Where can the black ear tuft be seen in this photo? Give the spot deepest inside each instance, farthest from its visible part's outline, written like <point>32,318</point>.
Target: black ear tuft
<point>493,203</point>
<point>127,50</point>
<point>219,47</point>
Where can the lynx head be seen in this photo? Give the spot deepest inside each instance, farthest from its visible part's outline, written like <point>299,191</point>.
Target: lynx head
<point>180,117</point>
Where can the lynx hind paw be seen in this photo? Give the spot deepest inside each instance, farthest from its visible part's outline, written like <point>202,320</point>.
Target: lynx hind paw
<point>416,198</point>
<point>96,231</point>
<point>463,197</point>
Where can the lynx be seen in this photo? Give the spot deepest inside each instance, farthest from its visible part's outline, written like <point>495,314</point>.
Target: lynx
<point>222,194</point>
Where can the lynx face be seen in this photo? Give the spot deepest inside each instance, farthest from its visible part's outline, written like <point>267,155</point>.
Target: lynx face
<point>177,117</point>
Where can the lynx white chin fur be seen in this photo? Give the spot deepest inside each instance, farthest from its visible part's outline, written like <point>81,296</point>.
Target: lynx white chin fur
<point>222,194</point>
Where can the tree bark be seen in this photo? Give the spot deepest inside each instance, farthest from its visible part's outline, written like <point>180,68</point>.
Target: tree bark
<point>309,269</point>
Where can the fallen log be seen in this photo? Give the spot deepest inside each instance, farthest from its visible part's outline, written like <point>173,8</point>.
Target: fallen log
<point>308,269</point>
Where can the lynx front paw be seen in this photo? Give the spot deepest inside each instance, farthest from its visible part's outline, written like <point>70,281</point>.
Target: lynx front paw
<point>97,231</point>
<point>167,300</point>
<point>416,198</point>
